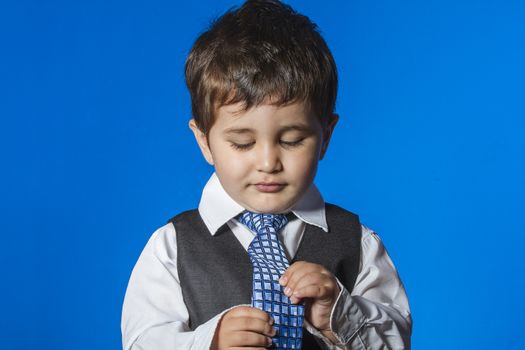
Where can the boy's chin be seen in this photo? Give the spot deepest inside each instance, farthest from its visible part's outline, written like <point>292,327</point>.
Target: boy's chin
<point>268,208</point>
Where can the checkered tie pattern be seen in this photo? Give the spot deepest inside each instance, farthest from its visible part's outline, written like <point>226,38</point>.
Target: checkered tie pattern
<point>269,263</point>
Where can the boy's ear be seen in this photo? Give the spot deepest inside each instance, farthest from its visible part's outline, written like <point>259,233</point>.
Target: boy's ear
<point>202,141</point>
<point>327,134</point>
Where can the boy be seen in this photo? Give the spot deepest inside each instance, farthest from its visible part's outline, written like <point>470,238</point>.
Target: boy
<point>263,87</point>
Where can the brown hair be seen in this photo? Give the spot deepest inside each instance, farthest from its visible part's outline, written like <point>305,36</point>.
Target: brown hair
<point>263,51</point>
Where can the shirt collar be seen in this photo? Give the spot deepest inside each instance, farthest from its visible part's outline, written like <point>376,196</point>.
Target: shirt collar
<point>217,207</point>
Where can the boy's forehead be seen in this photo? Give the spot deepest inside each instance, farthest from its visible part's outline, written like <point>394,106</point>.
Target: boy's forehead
<point>276,102</point>
<point>234,114</point>
<point>234,120</point>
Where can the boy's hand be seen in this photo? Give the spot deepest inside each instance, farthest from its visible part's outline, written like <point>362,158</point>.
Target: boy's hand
<point>315,283</point>
<point>244,326</point>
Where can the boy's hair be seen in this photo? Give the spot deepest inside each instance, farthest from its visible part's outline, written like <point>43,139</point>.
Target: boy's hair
<point>262,52</point>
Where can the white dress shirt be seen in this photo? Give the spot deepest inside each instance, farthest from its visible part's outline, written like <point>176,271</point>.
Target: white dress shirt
<point>375,315</point>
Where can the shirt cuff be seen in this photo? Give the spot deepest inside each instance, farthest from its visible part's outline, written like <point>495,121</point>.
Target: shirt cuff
<point>346,319</point>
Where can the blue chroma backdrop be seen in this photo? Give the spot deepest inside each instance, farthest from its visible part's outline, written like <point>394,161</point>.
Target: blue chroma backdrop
<point>96,154</point>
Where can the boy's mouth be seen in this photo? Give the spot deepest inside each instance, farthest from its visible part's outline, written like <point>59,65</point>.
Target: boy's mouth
<point>269,187</point>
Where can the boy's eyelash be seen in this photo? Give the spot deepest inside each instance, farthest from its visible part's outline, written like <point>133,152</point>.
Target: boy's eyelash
<point>293,143</point>
<point>245,146</point>
<point>241,146</point>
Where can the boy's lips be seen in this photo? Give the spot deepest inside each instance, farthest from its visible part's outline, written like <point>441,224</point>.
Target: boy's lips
<point>269,187</point>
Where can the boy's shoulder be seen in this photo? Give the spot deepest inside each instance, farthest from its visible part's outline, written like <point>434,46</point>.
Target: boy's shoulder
<point>336,211</point>
<point>190,214</point>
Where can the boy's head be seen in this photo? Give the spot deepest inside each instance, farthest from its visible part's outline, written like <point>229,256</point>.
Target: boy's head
<point>263,51</point>
<point>263,85</point>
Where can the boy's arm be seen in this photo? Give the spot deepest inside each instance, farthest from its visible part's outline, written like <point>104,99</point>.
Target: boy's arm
<point>154,316</point>
<point>376,315</point>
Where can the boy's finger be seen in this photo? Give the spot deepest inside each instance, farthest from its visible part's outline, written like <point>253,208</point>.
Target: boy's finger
<point>298,276</point>
<point>291,269</point>
<point>311,278</point>
<point>249,339</point>
<point>300,267</point>
<point>327,285</point>
<point>248,311</point>
<point>250,324</point>
<point>314,291</point>
<point>324,289</point>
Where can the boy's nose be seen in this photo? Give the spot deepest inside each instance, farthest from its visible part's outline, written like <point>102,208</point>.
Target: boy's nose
<point>268,159</point>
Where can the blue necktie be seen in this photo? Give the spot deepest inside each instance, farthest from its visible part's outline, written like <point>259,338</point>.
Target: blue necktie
<point>269,263</point>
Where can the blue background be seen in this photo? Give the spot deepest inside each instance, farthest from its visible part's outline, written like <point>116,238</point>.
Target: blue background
<point>96,154</point>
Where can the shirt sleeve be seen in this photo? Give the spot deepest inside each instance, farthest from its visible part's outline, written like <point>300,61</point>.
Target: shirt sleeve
<point>376,315</point>
<point>154,315</point>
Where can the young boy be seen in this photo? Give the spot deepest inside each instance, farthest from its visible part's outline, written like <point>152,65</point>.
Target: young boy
<point>263,87</point>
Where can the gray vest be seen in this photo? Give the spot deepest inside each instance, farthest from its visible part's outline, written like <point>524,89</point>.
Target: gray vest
<point>215,272</point>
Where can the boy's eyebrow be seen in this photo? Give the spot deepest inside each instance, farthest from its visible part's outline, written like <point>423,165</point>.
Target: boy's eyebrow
<point>238,131</point>
<point>294,127</point>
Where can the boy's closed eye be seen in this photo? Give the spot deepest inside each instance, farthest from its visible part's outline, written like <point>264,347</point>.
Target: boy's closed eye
<point>248,145</point>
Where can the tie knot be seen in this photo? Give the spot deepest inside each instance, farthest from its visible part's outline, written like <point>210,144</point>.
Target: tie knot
<point>258,222</point>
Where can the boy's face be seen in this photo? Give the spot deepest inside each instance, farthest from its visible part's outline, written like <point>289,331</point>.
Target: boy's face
<point>265,157</point>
